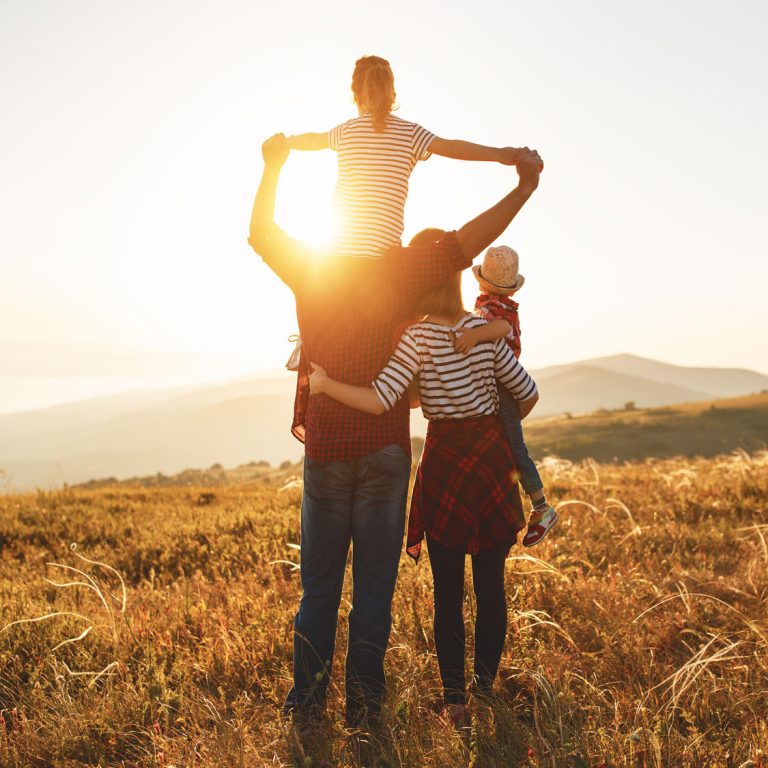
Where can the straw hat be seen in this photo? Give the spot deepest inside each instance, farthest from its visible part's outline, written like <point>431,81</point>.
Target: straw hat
<point>498,272</point>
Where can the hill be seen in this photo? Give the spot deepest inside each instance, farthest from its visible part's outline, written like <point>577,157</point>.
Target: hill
<point>710,382</point>
<point>699,429</point>
<point>637,633</point>
<point>695,429</point>
<point>248,420</point>
<point>587,388</point>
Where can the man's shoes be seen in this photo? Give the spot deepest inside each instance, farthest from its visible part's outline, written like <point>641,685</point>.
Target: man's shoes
<point>538,529</point>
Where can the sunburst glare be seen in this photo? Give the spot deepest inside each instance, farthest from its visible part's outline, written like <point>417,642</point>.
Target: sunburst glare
<point>304,208</point>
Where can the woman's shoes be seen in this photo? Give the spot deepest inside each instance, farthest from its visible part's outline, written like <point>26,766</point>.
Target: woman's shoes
<point>538,529</point>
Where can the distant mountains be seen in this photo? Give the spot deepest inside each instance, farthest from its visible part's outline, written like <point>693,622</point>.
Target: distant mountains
<point>610,382</point>
<point>649,382</point>
<point>141,433</point>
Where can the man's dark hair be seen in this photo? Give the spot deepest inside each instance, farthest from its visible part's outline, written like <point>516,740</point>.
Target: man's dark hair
<point>427,236</point>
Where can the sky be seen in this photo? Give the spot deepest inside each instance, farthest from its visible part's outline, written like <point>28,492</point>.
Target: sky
<point>130,154</point>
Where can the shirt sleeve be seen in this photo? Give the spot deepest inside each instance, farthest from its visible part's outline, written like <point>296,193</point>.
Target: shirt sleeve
<point>285,256</point>
<point>422,140</point>
<point>404,365</point>
<point>334,137</point>
<point>482,310</point>
<point>511,374</point>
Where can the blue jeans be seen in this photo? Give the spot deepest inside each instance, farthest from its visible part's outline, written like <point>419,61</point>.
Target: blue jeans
<point>361,501</point>
<point>509,414</point>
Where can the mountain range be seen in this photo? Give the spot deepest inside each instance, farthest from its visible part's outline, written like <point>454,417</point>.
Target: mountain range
<point>144,432</point>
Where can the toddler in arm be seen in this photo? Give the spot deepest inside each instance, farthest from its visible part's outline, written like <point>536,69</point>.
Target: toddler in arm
<point>499,280</point>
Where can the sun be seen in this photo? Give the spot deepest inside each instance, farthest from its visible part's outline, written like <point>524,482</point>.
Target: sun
<point>304,207</point>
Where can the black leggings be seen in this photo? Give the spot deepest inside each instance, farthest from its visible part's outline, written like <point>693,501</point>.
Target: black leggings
<point>490,619</point>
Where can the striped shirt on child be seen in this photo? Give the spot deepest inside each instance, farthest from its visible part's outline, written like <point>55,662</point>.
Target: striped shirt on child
<point>452,385</point>
<point>374,168</point>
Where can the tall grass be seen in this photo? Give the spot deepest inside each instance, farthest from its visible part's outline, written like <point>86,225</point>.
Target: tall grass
<point>638,632</point>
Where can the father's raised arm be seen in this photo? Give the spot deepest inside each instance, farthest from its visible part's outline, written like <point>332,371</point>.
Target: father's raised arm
<point>479,233</point>
<point>420,267</point>
<point>283,255</point>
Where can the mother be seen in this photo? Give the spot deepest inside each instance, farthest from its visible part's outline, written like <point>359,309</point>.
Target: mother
<point>464,497</point>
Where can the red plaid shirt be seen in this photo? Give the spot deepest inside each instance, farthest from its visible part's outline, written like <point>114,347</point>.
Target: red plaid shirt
<point>350,313</point>
<point>492,306</point>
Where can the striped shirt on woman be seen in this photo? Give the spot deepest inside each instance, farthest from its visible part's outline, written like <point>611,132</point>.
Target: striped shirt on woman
<point>452,385</point>
<point>374,168</point>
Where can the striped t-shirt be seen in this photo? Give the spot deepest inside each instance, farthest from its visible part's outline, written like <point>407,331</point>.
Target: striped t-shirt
<point>452,385</point>
<point>374,168</point>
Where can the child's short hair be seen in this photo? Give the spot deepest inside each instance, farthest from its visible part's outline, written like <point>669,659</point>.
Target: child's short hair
<point>373,86</point>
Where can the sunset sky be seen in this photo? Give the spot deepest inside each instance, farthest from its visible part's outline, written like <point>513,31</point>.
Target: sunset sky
<point>130,153</point>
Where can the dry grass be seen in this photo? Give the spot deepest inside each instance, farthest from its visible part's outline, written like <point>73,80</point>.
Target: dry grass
<point>638,631</point>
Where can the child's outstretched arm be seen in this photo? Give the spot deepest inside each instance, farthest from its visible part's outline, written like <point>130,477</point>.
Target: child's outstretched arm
<point>308,141</point>
<point>466,150</point>
<point>496,329</point>
<point>360,398</point>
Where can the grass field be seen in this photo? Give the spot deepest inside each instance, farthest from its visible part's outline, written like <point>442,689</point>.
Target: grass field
<point>638,632</point>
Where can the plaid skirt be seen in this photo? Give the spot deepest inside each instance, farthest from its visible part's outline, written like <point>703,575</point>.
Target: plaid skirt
<point>465,495</point>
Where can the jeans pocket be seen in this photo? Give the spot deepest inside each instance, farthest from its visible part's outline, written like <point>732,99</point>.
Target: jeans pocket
<point>318,478</point>
<point>387,472</point>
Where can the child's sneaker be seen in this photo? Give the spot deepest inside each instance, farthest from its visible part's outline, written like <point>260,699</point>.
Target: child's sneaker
<point>538,529</point>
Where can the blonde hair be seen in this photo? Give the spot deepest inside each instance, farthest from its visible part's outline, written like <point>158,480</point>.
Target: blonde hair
<point>373,86</point>
<point>444,299</point>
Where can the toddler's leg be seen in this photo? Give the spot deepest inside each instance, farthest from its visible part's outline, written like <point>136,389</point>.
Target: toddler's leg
<point>529,475</point>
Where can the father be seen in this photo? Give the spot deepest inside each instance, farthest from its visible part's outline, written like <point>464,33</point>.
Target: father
<point>356,470</point>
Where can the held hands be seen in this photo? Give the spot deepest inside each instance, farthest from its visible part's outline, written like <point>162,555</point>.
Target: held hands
<point>317,379</point>
<point>511,155</point>
<point>529,166</point>
<point>275,149</point>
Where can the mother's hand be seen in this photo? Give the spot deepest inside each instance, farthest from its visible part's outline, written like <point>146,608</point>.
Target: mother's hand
<point>317,379</point>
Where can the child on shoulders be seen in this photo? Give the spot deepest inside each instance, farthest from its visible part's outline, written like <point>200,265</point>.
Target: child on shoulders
<point>377,153</point>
